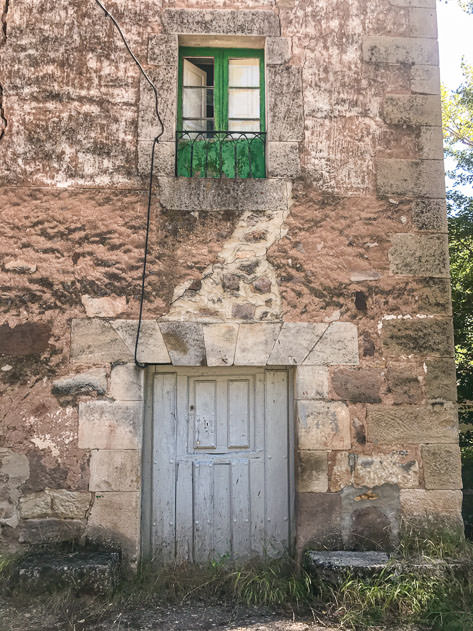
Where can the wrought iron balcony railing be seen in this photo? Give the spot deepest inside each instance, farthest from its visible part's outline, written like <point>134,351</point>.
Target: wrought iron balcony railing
<point>221,154</point>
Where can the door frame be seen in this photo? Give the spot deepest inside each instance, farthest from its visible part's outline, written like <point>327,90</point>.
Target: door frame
<point>148,436</point>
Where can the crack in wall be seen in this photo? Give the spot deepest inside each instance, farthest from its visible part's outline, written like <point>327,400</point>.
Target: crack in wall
<point>3,22</point>
<point>6,7</point>
<point>3,119</point>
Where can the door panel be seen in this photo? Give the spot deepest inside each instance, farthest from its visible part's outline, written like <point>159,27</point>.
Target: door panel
<point>220,473</point>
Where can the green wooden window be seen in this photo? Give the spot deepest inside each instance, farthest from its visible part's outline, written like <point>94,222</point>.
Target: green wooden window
<point>221,121</point>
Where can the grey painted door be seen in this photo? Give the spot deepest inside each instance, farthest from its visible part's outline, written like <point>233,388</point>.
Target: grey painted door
<point>221,471</point>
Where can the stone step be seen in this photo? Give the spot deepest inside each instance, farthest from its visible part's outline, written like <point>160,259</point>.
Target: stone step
<point>333,565</point>
<point>92,572</point>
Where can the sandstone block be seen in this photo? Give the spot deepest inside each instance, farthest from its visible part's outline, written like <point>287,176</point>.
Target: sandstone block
<point>405,109</point>
<point>442,466</point>
<point>164,157</point>
<point>39,531</point>
<point>90,381</point>
<point>95,342</point>
<point>430,214</point>
<point>278,50</point>
<point>430,143</point>
<point>337,346</point>
<point>14,471</point>
<point>69,504</point>
<point>184,342</point>
<point>163,50</point>
<point>413,3</point>
<point>404,384</point>
<point>197,194</point>
<point>425,79</point>
<point>220,343</point>
<point>370,517</point>
<point>151,347</point>
<point>165,80</point>
<point>35,505</point>
<point>116,470</point>
<point>420,336</point>
<point>294,342</point>
<point>416,178</point>
<point>105,425</point>
<point>400,50</point>
<point>319,520</point>
<point>432,508</point>
<point>419,255</point>
<point>255,343</point>
<point>322,425</point>
<point>312,471</point>
<point>283,159</point>
<point>404,424</point>
<point>357,385</point>
<point>423,22</point>
<point>285,104</point>
<point>126,382</point>
<point>243,311</point>
<point>221,22</point>
<point>396,466</point>
<point>311,382</point>
<point>440,379</point>
<point>115,519</point>
<point>105,307</point>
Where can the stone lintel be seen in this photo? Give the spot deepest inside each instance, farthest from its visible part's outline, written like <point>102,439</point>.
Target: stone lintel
<point>221,22</point>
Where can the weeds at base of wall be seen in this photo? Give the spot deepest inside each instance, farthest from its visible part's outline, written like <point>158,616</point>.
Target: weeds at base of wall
<point>440,598</point>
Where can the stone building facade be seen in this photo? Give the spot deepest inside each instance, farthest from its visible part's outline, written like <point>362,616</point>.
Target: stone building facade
<point>332,270</point>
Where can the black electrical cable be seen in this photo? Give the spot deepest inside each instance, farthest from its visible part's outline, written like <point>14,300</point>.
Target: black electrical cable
<point>151,173</point>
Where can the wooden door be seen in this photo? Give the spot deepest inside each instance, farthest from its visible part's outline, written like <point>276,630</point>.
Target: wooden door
<point>221,469</point>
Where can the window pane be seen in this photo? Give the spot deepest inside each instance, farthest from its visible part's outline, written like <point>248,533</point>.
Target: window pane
<point>243,103</point>
<point>242,125</point>
<point>197,125</point>
<point>197,103</point>
<point>243,73</point>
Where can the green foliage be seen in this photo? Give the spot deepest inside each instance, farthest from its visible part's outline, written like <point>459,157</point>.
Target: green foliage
<point>466,5</point>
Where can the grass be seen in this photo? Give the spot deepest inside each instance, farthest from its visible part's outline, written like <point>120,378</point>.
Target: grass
<point>439,600</point>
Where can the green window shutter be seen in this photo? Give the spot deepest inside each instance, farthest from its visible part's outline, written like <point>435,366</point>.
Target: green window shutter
<point>219,153</point>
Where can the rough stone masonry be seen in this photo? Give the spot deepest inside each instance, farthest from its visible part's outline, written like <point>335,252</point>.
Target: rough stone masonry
<point>335,265</point>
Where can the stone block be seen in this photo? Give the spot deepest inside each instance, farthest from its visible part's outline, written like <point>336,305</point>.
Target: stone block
<point>35,505</point>
<point>430,214</point>
<point>396,466</point>
<point>103,307</point>
<point>322,425</point>
<point>319,520</point>
<point>39,531</point>
<point>412,178</point>
<point>164,158</point>
<point>163,50</point>
<point>334,567</point>
<point>311,382</point>
<point>440,379</point>
<point>337,346</point>
<point>126,382</point>
<point>433,296</point>
<point>106,425</point>
<point>432,509</point>
<point>403,384</point>
<point>442,466</point>
<point>28,338</point>
<point>255,343</point>
<point>151,347</point>
<point>90,381</point>
<point>116,470</point>
<point>115,520</point>
<point>14,471</point>
<point>430,143</point>
<point>294,342</point>
<point>197,194</point>
<point>423,22</point>
<point>277,51</point>
<point>184,342</point>
<point>380,49</point>
<point>165,79</point>
<point>221,22</point>
<point>420,336</point>
<point>243,311</point>
<point>285,104</point>
<point>283,159</point>
<point>96,342</point>
<point>425,79</point>
<point>404,424</point>
<point>419,255</point>
<point>69,504</point>
<point>312,471</point>
<point>370,517</point>
<point>220,343</point>
<point>430,4</point>
<point>357,385</point>
<point>412,110</point>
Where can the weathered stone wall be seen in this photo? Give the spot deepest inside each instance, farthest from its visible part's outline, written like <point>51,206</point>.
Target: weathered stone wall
<point>348,230</point>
